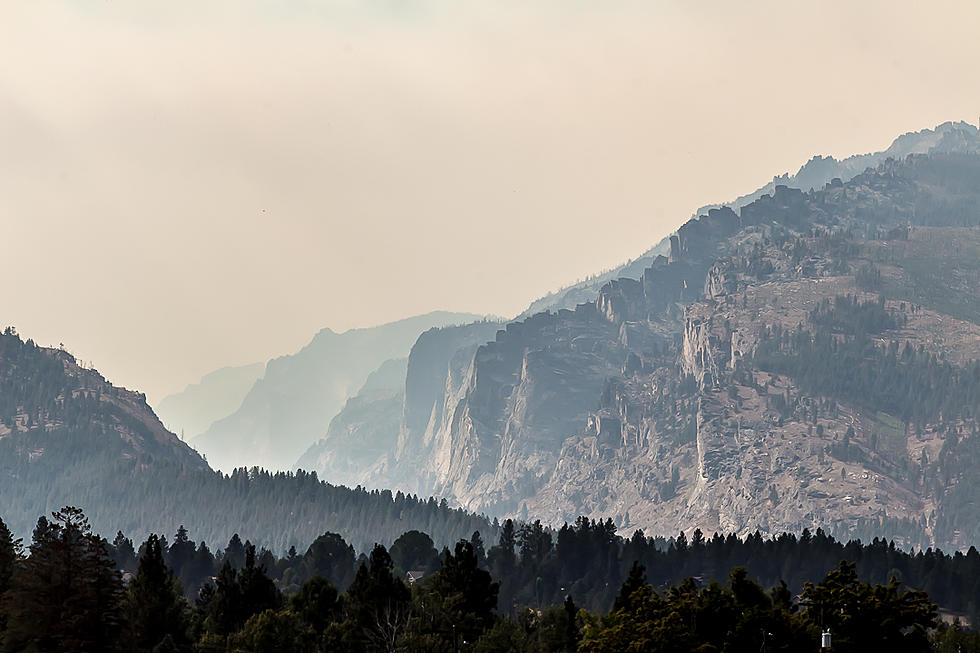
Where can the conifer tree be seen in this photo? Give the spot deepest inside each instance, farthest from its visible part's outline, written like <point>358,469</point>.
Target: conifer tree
<point>637,579</point>
<point>155,608</point>
<point>66,595</point>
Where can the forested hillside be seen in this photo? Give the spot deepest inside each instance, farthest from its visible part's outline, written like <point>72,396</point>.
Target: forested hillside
<point>53,411</point>
<point>67,436</point>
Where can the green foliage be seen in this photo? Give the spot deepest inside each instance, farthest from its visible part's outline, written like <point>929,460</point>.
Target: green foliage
<point>272,631</point>
<point>636,580</point>
<point>414,551</point>
<point>464,595</point>
<point>10,551</point>
<point>861,616</point>
<point>377,603</point>
<point>237,595</point>
<point>316,604</point>
<point>154,606</point>
<point>66,597</point>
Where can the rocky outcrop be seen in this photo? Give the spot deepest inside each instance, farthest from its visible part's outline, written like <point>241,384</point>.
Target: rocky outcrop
<point>385,436</point>
<point>698,353</point>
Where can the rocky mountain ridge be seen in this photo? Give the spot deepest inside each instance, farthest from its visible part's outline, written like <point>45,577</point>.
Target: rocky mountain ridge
<point>648,404</point>
<point>814,174</point>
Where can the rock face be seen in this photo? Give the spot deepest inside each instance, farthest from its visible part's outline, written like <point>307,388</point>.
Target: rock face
<point>288,409</point>
<point>382,438</point>
<point>53,411</point>
<point>703,435</point>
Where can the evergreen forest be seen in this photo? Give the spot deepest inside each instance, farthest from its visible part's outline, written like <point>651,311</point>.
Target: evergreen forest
<point>580,588</point>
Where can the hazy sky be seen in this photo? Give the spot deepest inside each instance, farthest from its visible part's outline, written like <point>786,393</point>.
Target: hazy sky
<point>188,185</point>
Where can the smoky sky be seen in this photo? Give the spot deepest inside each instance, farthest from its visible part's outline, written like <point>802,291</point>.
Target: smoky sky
<point>190,185</point>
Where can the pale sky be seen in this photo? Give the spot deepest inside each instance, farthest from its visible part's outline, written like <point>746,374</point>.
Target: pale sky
<point>188,185</point>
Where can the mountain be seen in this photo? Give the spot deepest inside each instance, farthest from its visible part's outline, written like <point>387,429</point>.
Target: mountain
<point>373,414</point>
<point>291,406</point>
<point>218,394</point>
<point>52,410</point>
<point>387,419</point>
<point>808,361</point>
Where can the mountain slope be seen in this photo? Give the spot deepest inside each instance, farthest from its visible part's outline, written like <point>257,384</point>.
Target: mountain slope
<point>291,406</point>
<point>217,395</point>
<point>68,437</point>
<point>52,409</point>
<point>816,172</point>
<point>632,404</point>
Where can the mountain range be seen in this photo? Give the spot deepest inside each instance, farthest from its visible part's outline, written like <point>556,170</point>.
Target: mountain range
<point>289,406</point>
<point>798,359</point>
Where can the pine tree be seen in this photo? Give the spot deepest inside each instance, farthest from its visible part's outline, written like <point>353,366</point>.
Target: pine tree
<point>637,579</point>
<point>66,595</point>
<point>155,608</point>
<point>9,555</point>
<point>468,594</point>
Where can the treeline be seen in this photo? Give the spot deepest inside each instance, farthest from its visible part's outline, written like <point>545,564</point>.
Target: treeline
<point>282,509</point>
<point>536,566</point>
<point>73,591</point>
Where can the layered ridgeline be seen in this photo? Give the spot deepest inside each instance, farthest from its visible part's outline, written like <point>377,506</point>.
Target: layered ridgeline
<point>808,361</point>
<point>290,406</point>
<point>218,394</point>
<point>69,437</point>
